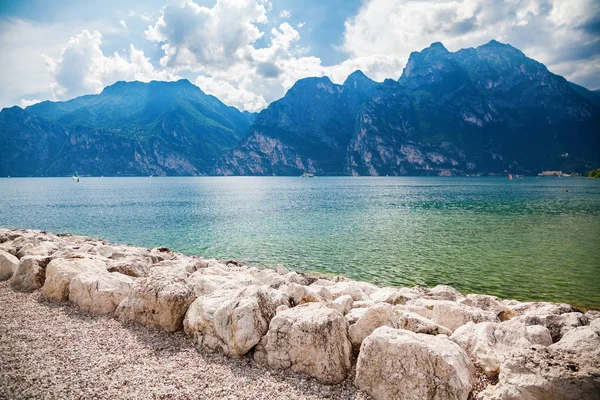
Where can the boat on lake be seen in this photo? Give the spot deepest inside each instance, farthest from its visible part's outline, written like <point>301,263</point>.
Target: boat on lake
<point>307,175</point>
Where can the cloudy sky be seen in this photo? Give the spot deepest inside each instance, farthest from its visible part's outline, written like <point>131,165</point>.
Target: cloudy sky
<point>249,52</point>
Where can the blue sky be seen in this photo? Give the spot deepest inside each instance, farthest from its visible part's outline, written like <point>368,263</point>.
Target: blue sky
<point>249,52</point>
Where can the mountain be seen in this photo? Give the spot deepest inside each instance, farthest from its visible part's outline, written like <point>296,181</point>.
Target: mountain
<point>483,110</point>
<point>29,143</point>
<point>307,130</point>
<point>131,128</point>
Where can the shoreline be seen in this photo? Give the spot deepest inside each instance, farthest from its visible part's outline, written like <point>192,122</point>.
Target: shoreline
<point>265,319</point>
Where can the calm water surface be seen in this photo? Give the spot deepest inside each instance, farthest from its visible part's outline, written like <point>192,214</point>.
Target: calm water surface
<point>526,239</point>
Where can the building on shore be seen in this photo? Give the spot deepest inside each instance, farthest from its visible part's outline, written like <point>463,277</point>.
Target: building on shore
<point>551,173</point>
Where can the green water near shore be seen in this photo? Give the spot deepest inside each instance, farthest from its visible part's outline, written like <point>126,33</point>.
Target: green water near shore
<point>527,239</point>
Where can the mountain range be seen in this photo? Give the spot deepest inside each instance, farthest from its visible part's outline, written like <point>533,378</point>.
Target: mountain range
<point>483,110</point>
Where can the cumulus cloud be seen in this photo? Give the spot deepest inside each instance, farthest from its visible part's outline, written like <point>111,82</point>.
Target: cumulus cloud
<point>212,37</point>
<point>219,44</point>
<point>123,23</point>
<point>563,35</point>
<point>83,68</point>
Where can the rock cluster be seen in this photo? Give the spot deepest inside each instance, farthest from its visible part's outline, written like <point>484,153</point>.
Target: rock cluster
<point>409,343</point>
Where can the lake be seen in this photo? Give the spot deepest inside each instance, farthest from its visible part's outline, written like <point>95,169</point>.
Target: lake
<point>528,239</point>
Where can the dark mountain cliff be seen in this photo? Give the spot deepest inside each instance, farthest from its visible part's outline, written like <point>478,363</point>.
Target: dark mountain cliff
<point>131,128</point>
<point>308,130</point>
<point>480,110</point>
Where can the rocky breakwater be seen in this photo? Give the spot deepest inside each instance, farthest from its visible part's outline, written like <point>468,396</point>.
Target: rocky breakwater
<point>400,343</point>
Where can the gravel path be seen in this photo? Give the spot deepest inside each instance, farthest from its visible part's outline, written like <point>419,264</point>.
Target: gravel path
<point>55,351</point>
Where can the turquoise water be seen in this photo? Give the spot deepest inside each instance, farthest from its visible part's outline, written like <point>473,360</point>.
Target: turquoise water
<point>526,239</point>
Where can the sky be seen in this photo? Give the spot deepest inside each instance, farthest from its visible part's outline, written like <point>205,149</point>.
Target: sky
<point>248,53</point>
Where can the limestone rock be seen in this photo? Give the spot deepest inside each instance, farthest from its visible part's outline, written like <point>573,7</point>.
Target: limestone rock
<point>309,339</point>
<point>8,265</point>
<point>417,323</point>
<point>488,303</point>
<point>395,363</point>
<point>133,266</point>
<point>233,321</point>
<point>582,340</point>
<point>538,334</point>
<point>546,373</point>
<point>99,292</point>
<point>592,315</point>
<point>538,308</point>
<point>488,342</point>
<point>204,282</point>
<point>380,314</point>
<point>30,273</point>
<point>444,292</point>
<point>304,294</point>
<point>453,315</point>
<point>558,324</point>
<point>61,271</point>
<point>342,304</point>
<point>160,300</point>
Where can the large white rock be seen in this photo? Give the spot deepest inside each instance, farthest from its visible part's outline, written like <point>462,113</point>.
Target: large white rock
<point>546,373</point>
<point>134,266</point>
<point>307,294</point>
<point>397,296</point>
<point>309,339</point>
<point>8,265</point>
<point>204,281</point>
<point>488,342</point>
<point>99,292</point>
<point>558,324</point>
<point>444,292</point>
<point>399,364</point>
<point>61,271</point>
<point>488,303</point>
<point>414,322</point>
<point>380,314</point>
<point>538,308</point>
<point>30,273</point>
<point>160,300</point>
<point>233,321</point>
<point>582,340</point>
<point>453,315</point>
<point>342,304</point>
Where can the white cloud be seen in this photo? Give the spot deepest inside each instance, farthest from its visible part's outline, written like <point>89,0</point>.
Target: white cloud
<point>28,102</point>
<point>219,44</point>
<point>123,23</point>
<point>83,68</point>
<point>285,14</point>
<point>211,37</point>
<point>551,31</point>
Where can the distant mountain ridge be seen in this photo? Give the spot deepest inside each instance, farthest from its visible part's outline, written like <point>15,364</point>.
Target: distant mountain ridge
<point>484,110</point>
<point>131,128</point>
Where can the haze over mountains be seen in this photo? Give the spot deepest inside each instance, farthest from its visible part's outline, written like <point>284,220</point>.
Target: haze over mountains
<point>480,110</point>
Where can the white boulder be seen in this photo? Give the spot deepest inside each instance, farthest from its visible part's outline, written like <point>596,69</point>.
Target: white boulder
<point>8,265</point>
<point>394,364</point>
<point>380,314</point>
<point>30,273</point>
<point>99,292</point>
<point>61,271</point>
<point>160,300</point>
<point>309,339</point>
<point>233,321</point>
